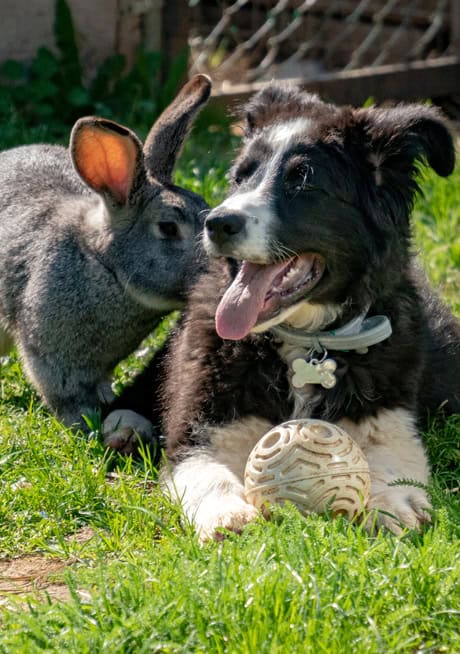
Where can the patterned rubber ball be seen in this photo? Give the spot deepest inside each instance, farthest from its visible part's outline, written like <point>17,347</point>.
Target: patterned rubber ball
<point>313,464</point>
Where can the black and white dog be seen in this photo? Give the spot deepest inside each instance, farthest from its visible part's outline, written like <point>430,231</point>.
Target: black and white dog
<point>314,306</point>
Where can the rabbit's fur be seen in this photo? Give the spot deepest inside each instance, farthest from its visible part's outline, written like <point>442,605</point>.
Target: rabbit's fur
<point>96,244</point>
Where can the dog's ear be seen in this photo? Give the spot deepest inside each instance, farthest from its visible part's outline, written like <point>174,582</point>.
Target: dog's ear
<point>398,139</point>
<point>280,101</point>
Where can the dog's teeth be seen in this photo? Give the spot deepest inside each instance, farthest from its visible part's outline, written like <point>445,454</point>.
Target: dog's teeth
<point>291,273</point>
<point>292,280</point>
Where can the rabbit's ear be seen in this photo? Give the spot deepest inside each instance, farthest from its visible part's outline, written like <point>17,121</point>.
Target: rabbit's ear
<point>165,140</point>
<point>107,156</point>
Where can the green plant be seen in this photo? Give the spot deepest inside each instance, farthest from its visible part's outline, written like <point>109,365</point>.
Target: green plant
<point>48,94</point>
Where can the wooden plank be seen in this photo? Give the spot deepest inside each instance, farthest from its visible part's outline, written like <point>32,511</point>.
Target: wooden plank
<point>249,17</point>
<point>455,27</point>
<point>417,80</point>
<point>152,24</point>
<point>421,14</point>
<point>175,31</point>
<point>341,54</point>
<point>128,30</point>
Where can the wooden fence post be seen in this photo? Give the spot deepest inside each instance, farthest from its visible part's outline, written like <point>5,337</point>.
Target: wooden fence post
<point>455,27</point>
<point>176,28</point>
<point>153,24</point>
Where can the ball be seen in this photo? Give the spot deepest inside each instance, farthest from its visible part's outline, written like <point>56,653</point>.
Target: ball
<point>313,464</point>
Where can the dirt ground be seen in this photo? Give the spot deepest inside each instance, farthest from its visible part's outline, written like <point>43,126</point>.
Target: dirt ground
<point>37,575</point>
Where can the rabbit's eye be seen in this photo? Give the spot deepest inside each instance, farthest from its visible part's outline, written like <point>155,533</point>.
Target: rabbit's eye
<point>169,230</point>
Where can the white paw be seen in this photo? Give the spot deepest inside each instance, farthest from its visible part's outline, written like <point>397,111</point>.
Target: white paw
<point>399,507</point>
<point>218,513</point>
<point>123,429</point>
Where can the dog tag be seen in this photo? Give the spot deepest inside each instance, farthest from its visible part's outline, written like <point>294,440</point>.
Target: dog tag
<point>314,372</point>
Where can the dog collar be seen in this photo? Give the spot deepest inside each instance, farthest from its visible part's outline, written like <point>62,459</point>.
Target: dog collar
<point>358,334</point>
<point>310,364</point>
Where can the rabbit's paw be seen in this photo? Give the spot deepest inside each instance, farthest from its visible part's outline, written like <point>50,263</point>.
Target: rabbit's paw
<point>123,429</point>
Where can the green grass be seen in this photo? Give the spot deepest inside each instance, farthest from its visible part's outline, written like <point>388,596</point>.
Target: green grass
<point>139,581</point>
<point>437,222</point>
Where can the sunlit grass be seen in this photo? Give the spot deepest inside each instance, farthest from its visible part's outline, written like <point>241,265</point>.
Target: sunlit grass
<point>141,583</point>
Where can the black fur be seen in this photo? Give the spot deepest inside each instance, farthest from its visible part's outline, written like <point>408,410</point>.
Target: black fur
<point>344,190</point>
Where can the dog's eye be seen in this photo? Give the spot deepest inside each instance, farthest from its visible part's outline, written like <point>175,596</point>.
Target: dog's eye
<point>245,171</point>
<point>295,181</point>
<point>296,177</point>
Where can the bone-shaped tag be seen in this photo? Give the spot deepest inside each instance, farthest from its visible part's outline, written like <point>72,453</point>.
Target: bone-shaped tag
<point>308,372</point>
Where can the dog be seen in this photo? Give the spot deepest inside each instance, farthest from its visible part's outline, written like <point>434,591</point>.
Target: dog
<point>314,306</point>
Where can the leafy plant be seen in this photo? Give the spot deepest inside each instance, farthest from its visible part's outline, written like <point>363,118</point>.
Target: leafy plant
<point>50,93</point>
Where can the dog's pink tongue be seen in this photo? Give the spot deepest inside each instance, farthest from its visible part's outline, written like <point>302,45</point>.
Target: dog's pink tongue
<point>243,301</point>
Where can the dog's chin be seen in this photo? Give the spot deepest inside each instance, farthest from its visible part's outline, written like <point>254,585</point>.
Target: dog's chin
<point>308,316</point>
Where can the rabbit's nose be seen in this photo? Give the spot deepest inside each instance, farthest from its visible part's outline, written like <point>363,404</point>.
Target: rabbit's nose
<point>224,227</point>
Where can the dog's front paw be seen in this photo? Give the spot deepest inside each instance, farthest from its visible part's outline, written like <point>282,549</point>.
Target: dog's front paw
<point>398,508</point>
<point>217,514</point>
<point>124,429</point>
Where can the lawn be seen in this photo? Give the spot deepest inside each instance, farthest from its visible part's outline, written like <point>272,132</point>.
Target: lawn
<point>95,559</point>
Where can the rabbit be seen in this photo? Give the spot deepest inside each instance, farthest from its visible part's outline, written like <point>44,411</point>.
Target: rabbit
<point>96,246</point>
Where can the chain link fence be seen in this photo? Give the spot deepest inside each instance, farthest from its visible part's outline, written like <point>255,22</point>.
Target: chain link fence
<point>246,42</point>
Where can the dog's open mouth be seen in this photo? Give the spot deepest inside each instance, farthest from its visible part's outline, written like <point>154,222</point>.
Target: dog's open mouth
<point>258,292</point>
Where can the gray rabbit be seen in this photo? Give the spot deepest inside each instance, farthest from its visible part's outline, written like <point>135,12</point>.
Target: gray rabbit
<point>96,245</point>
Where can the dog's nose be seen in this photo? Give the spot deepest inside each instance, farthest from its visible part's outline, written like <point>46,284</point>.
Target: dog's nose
<point>223,227</point>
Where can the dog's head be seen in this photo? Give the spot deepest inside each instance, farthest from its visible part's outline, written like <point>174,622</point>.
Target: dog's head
<point>319,206</point>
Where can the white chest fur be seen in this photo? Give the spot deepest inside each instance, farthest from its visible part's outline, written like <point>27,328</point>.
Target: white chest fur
<point>301,396</point>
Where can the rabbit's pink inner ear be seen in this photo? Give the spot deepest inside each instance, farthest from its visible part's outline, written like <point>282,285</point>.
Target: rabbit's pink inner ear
<point>106,160</point>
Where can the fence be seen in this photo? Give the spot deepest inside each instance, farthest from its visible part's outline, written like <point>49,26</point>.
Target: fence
<point>347,50</point>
